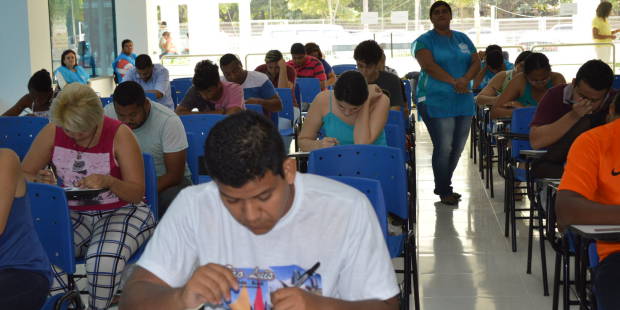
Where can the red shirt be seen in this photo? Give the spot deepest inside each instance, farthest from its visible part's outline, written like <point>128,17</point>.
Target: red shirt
<point>311,68</point>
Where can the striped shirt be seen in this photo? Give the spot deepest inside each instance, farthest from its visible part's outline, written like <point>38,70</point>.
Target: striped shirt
<point>311,68</point>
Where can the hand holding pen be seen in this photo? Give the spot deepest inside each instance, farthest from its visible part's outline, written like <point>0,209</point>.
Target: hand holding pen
<point>296,298</point>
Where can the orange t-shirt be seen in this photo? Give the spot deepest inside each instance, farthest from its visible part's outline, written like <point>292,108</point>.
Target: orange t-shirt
<point>593,170</point>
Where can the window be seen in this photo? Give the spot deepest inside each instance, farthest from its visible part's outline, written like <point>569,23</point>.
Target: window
<point>88,28</point>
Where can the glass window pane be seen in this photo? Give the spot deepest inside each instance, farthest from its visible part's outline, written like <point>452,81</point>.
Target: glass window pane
<point>88,28</point>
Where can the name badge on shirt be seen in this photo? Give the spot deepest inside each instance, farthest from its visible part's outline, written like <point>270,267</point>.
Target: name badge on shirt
<point>464,48</point>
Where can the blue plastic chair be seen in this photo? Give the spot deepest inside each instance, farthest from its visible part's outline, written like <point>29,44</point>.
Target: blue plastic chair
<point>17,133</point>
<point>407,86</point>
<point>286,97</point>
<point>395,138</point>
<point>106,100</point>
<point>340,69</point>
<point>181,86</point>
<point>372,189</point>
<point>385,164</point>
<point>173,94</point>
<point>151,96</point>
<point>53,225</point>
<point>197,128</point>
<point>616,83</point>
<point>308,88</point>
<point>256,108</point>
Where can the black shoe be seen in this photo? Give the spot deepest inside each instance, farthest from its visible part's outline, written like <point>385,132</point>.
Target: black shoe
<point>457,195</point>
<point>450,200</point>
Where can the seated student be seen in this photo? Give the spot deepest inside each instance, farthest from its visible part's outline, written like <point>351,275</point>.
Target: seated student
<point>153,78</point>
<point>125,61</point>
<point>368,55</point>
<point>160,133</point>
<point>314,50</point>
<point>492,62</point>
<point>589,194</point>
<point>25,274</point>
<point>527,88</point>
<point>568,110</point>
<point>90,150</point>
<point>39,96</point>
<point>274,64</point>
<point>257,88</point>
<point>353,113</point>
<point>69,71</point>
<point>307,66</point>
<point>260,214</point>
<point>496,86</point>
<point>209,95</point>
<point>382,67</point>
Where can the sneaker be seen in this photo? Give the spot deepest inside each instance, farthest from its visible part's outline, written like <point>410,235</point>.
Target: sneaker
<point>457,195</point>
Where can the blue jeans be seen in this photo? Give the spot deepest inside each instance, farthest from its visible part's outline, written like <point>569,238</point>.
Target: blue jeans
<point>449,135</point>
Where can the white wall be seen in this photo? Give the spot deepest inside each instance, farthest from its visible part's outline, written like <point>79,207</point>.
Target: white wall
<point>137,20</point>
<point>25,32</point>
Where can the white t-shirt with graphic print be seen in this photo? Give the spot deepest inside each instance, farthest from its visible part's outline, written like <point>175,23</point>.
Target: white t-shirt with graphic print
<point>329,222</point>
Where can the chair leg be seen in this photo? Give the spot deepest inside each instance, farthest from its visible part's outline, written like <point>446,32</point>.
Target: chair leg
<point>406,291</point>
<point>530,237</point>
<point>513,222</point>
<point>543,253</point>
<point>566,278</point>
<point>414,271</point>
<point>507,196</point>
<point>556,280</point>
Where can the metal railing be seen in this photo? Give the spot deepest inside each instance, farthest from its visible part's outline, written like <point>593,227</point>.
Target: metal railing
<point>245,59</point>
<point>612,45</point>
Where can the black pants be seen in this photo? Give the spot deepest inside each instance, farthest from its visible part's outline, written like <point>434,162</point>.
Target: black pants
<point>22,289</point>
<point>607,284</point>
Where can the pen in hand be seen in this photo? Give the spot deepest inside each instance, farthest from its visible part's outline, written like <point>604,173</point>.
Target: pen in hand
<point>306,275</point>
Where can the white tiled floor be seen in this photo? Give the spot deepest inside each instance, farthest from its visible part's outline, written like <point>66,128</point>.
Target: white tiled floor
<point>465,262</point>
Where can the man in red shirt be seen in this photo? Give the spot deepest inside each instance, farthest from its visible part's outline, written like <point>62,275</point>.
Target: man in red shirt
<point>305,65</point>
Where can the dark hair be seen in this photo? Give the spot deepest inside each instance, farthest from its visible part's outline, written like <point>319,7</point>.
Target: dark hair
<point>62,57</point>
<point>603,9</point>
<point>206,74</point>
<point>298,49</point>
<point>228,59</point>
<point>536,61</point>
<point>242,148</point>
<point>437,4</point>
<point>495,59</point>
<point>368,52</point>
<point>522,56</point>
<point>596,74</point>
<point>143,61</point>
<point>616,104</point>
<point>128,93</point>
<point>313,47</point>
<point>40,81</point>
<point>352,88</point>
<point>493,47</point>
<point>125,42</point>
<point>273,56</point>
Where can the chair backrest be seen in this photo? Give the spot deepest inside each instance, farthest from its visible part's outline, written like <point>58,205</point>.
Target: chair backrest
<point>181,86</point>
<point>340,69</point>
<point>407,86</point>
<point>382,163</point>
<point>52,222</point>
<point>286,97</point>
<point>17,133</point>
<point>151,96</point>
<point>395,137</point>
<point>197,128</point>
<point>173,94</point>
<point>106,100</point>
<point>616,83</point>
<point>255,107</point>
<point>372,189</point>
<point>520,124</point>
<point>396,118</point>
<point>308,89</point>
<point>150,182</point>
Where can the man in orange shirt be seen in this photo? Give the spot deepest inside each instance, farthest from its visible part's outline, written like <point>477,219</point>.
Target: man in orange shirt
<point>589,194</point>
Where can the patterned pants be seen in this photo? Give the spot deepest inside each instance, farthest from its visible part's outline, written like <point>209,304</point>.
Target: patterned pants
<point>106,240</point>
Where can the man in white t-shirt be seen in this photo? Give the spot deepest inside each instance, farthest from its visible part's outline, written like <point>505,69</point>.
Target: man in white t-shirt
<point>159,132</point>
<point>246,240</point>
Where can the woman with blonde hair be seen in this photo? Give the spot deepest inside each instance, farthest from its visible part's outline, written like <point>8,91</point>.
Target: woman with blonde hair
<point>88,150</point>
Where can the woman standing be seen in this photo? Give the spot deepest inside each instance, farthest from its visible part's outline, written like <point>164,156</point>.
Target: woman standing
<point>601,31</point>
<point>449,62</point>
<point>69,72</point>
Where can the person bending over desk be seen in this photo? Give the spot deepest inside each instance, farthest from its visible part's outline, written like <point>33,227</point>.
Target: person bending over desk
<point>353,113</point>
<point>496,86</point>
<point>245,240</point>
<point>589,194</point>
<point>39,96</point>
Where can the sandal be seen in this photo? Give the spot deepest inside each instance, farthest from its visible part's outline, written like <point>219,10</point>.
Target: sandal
<point>450,200</point>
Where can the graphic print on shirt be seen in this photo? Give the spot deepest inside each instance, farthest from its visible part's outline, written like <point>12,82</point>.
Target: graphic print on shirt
<point>73,166</point>
<point>256,286</point>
